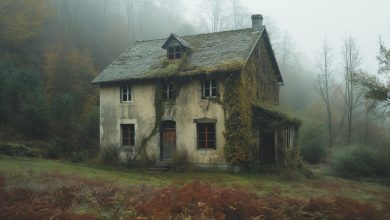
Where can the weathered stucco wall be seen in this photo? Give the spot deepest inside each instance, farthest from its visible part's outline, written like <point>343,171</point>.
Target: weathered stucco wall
<point>188,106</point>
<point>113,113</point>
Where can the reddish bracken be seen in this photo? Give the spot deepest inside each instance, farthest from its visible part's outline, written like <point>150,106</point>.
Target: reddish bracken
<point>195,200</point>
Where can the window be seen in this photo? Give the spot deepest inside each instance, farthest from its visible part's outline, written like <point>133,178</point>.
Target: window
<point>174,53</point>
<point>128,134</point>
<point>125,92</point>
<point>290,133</point>
<point>169,92</point>
<point>209,88</point>
<point>206,135</point>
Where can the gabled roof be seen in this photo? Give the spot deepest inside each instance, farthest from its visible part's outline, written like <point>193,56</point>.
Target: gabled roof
<point>181,41</point>
<point>268,114</point>
<point>212,52</point>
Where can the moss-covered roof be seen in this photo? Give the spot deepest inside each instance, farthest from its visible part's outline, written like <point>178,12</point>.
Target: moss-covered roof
<point>212,52</point>
<point>265,113</point>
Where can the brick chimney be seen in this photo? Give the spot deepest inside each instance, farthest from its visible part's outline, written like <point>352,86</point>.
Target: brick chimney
<point>257,22</point>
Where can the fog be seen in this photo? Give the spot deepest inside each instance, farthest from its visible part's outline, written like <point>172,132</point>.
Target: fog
<point>309,22</point>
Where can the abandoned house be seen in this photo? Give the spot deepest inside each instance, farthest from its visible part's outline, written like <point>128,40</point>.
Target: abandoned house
<point>212,96</point>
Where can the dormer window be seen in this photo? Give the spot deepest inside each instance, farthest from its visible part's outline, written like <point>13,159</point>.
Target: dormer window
<point>174,53</point>
<point>176,47</point>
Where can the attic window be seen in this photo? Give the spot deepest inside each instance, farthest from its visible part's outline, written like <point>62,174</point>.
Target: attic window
<point>174,53</point>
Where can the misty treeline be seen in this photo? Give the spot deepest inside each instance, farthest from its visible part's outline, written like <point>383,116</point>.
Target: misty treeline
<point>50,51</point>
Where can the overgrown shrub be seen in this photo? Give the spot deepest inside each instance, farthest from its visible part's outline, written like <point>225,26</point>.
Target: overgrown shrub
<point>18,150</point>
<point>143,161</point>
<point>54,151</point>
<point>109,156</point>
<point>77,157</point>
<point>360,160</point>
<point>181,161</point>
<point>313,142</point>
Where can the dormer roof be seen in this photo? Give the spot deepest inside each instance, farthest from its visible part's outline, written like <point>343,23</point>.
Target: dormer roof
<point>174,41</point>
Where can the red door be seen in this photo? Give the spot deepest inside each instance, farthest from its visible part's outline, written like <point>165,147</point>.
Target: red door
<point>168,139</point>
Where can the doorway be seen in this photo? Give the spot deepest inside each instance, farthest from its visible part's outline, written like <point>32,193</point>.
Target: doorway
<point>167,140</point>
<point>267,147</point>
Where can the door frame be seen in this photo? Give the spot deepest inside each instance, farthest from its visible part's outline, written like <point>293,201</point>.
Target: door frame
<point>167,123</point>
<point>272,135</point>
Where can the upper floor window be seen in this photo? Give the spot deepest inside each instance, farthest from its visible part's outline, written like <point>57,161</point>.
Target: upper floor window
<point>209,88</point>
<point>174,53</point>
<point>169,92</point>
<point>125,92</point>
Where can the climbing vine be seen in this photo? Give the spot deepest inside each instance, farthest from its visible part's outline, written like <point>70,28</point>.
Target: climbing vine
<point>240,94</point>
<point>159,105</point>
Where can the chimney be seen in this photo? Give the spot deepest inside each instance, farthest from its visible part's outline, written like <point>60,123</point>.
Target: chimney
<point>257,22</point>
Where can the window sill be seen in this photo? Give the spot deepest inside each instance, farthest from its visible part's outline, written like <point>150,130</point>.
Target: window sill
<point>212,99</point>
<point>207,149</point>
<point>127,103</point>
<point>168,102</point>
<point>128,147</point>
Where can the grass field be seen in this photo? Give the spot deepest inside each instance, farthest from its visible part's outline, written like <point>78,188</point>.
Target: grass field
<point>42,177</point>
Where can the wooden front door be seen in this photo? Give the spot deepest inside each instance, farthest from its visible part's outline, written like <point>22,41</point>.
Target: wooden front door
<point>267,148</point>
<point>168,139</point>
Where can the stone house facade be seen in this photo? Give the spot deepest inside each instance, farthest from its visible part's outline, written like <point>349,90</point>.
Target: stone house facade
<point>213,96</point>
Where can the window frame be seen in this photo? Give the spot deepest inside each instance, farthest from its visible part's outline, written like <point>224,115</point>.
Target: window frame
<point>129,140</point>
<point>174,53</point>
<point>169,93</point>
<point>127,92</point>
<point>211,88</point>
<point>206,133</point>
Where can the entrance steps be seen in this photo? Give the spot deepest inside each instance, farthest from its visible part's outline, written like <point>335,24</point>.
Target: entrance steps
<point>160,167</point>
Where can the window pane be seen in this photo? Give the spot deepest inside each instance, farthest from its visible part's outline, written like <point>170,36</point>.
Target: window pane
<point>207,84</point>
<point>207,92</point>
<point>202,144</point>
<point>214,92</point>
<point>128,134</point>
<point>124,97</point>
<point>206,135</point>
<point>125,93</point>
<point>211,144</point>
<point>171,56</point>
<point>214,83</point>
<point>201,136</point>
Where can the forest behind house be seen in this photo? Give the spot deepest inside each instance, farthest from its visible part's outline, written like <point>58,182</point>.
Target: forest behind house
<point>51,50</point>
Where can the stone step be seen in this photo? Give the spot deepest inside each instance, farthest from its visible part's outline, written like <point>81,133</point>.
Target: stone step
<point>158,168</point>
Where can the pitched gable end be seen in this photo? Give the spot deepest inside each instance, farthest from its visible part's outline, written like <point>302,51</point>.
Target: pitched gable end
<point>174,41</point>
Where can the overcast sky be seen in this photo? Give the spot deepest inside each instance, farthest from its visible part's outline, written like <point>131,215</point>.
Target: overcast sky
<point>308,22</point>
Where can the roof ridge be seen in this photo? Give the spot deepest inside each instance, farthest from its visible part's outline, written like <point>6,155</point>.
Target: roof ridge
<point>191,35</point>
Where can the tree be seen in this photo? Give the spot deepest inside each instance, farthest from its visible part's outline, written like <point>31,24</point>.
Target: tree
<point>383,58</point>
<point>213,14</point>
<point>240,14</point>
<point>378,91</point>
<point>21,20</point>
<point>323,86</point>
<point>352,95</point>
